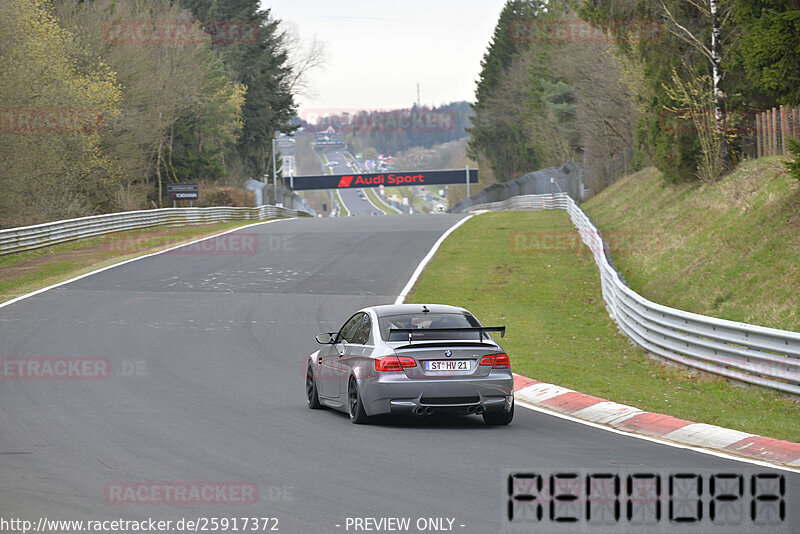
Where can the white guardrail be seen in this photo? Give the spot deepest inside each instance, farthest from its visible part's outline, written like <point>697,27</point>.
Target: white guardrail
<point>526,202</point>
<point>42,235</point>
<point>748,353</point>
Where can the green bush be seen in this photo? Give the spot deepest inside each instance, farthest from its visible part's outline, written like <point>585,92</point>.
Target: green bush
<point>676,154</point>
<point>224,196</point>
<point>793,165</point>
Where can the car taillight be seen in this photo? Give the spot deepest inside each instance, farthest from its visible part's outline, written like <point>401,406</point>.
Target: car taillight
<point>497,361</point>
<point>394,363</point>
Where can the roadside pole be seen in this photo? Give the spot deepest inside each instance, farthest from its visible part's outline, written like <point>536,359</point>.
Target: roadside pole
<point>274,173</point>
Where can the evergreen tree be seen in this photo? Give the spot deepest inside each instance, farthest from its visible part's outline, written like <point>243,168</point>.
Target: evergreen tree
<point>259,62</point>
<point>768,51</point>
<point>503,141</point>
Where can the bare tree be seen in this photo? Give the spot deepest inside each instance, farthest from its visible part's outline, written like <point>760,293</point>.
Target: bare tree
<point>303,59</point>
<point>717,17</point>
<point>51,168</point>
<point>162,81</point>
<point>605,86</point>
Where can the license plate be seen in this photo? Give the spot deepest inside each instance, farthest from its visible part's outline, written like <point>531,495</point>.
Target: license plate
<point>447,365</point>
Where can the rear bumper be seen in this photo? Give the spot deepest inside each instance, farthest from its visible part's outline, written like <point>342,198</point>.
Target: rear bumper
<point>394,393</point>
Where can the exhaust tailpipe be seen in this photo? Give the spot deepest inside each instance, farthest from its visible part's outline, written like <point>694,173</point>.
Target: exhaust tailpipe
<point>471,409</point>
<point>479,410</point>
<point>428,411</point>
<point>419,411</point>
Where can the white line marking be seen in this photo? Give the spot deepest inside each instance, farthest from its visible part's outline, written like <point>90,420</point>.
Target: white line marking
<point>48,288</point>
<point>372,203</point>
<point>426,259</point>
<point>366,196</point>
<point>341,201</point>
<point>657,440</point>
<point>378,196</point>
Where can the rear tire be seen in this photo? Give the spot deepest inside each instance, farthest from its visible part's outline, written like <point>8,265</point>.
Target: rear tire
<point>499,418</point>
<point>312,396</point>
<point>355,407</point>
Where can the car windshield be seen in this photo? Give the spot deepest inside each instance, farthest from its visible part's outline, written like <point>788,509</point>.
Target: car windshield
<point>423,321</point>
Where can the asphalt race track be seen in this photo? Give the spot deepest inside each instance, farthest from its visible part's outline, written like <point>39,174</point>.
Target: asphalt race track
<point>207,355</point>
<point>354,203</point>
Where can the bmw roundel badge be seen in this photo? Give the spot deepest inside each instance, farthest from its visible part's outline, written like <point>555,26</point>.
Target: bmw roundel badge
<point>448,353</point>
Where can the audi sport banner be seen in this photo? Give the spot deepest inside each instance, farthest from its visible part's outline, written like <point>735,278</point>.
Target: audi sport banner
<point>386,179</point>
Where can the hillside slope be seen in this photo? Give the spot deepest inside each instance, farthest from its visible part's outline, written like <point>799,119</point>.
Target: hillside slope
<point>559,330</point>
<point>729,249</point>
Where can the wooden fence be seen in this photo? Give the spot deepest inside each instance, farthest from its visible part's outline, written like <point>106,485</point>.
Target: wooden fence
<point>774,127</point>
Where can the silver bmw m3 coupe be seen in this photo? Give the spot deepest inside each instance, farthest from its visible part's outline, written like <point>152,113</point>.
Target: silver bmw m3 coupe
<point>412,359</point>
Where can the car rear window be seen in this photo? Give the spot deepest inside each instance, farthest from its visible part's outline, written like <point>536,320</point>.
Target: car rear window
<point>423,321</point>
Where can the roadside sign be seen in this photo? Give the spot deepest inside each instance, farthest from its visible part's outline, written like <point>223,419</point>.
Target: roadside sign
<point>183,191</point>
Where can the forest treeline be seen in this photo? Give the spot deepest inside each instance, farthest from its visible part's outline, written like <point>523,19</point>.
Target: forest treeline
<point>618,85</point>
<point>393,130</point>
<point>105,102</point>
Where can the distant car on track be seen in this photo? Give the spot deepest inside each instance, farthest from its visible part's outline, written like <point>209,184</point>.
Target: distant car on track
<point>412,359</point>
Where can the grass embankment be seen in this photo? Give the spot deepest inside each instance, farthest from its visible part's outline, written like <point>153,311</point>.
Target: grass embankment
<point>343,211</point>
<point>416,203</point>
<point>559,330</point>
<point>349,157</point>
<point>28,271</point>
<point>374,197</point>
<point>729,249</point>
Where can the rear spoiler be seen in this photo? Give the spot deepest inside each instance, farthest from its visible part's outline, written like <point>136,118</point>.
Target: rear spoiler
<point>480,330</point>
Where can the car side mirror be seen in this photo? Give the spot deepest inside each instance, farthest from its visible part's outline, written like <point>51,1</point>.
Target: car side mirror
<point>326,338</point>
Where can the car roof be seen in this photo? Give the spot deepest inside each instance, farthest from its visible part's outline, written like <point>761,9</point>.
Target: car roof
<point>396,309</point>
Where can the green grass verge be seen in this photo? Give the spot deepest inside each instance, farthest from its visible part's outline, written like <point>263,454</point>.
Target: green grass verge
<point>28,271</point>
<point>416,203</point>
<point>12,259</point>
<point>559,330</point>
<point>343,211</point>
<point>728,249</point>
<point>374,197</point>
<point>348,156</point>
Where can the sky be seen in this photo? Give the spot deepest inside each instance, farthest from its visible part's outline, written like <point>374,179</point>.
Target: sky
<point>377,51</point>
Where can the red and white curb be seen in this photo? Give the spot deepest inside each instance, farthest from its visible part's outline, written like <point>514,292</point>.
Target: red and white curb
<point>630,419</point>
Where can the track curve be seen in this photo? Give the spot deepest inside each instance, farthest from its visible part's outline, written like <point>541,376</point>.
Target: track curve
<point>207,351</point>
